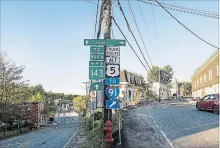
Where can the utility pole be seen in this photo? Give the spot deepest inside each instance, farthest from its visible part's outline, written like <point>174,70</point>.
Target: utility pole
<point>159,85</point>
<point>107,11</point>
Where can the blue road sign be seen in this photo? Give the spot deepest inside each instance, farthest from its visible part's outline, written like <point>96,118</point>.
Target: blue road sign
<point>112,81</point>
<point>112,93</point>
<point>112,104</point>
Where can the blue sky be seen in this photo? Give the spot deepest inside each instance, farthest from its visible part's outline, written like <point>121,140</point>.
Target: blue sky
<point>47,37</point>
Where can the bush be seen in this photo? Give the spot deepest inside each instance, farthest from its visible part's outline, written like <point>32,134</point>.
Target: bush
<point>94,139</point>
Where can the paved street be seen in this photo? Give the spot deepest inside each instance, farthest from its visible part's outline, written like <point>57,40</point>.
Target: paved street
<point>166,125</point>
<point>53,136</point>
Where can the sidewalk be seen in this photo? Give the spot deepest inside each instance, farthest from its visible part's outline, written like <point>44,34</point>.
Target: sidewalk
<point>137,133</point>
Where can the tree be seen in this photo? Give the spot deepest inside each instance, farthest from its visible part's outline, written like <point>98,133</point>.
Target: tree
<point>187,91</point>
<point>79,103</point>
<point>37,98</point>
<point>166,75</point>
<point>12,86</point>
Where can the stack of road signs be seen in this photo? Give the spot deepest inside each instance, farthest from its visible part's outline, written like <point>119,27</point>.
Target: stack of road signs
<point>108,70</point>
<point>96,73</point>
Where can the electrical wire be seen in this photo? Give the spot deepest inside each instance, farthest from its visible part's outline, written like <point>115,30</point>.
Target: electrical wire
<point>192,9</point>
<point>185,26</point>
<point>139,32</point>
<point>184,10</point>
<point>155,27</point>
<point>129,28</point>
<point>145,22</point>
<point>129,43</point>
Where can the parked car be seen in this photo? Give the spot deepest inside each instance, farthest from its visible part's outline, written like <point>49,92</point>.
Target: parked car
<point>209,102</point>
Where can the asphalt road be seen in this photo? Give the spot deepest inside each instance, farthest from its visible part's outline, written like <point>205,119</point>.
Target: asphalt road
<point>182,126</point>
<point>53,136</point>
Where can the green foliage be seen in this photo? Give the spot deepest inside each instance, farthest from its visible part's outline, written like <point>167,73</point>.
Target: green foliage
<point>187,88</point>
<point>166,75</point>
<point>79,103</point>
<point>94,139</point>
<point>37,98</point>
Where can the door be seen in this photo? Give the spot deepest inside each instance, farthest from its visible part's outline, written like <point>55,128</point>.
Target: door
<point>211,101</point>
<point>203,102</point>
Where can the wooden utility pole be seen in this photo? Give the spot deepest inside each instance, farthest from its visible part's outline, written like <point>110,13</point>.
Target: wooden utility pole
<point>159,85</point>
<point>107,11</point>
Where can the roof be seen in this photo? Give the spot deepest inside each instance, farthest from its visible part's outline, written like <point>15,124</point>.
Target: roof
<point>130,78</point>
<point>206,62</point>
<point>123,76</point>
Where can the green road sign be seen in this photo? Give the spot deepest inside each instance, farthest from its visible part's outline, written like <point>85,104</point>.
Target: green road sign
<point>96,63</point>
<point>105,42</point>
<point>97,50</point>
<point>97,57</point>
<point>97,73</point>
<point>97,86</point>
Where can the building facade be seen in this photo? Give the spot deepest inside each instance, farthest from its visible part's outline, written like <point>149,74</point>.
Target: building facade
<point>130,89</point>
<point>206,79</point>
<point>159,88</point>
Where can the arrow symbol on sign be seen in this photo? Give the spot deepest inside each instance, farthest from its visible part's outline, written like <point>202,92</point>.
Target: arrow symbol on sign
<point>113,103</point>
<point>96,86</point>
<point>121,42</point>
<point>87,42</point>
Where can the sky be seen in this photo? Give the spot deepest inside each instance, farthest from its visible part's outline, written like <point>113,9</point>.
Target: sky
<point>47,38</point>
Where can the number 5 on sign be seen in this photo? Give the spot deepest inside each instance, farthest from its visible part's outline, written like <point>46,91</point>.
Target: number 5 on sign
<point>96,73</point>
<point>113,70</point>
<point>112,93</point>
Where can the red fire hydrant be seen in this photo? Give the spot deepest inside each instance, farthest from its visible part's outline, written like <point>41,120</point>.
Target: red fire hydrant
<point>108,130</point>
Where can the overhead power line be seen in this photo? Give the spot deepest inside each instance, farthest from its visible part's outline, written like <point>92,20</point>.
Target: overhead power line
<point>129,28</point>
<point>129,43</point>
<point>155,27</point>
<point>191,9</point>
<point>139,31</point>
<point>145,23</point>
<point>185,26</point>
<point>184,9</point>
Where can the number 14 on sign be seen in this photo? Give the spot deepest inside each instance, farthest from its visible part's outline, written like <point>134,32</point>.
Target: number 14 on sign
<point>96,73</point>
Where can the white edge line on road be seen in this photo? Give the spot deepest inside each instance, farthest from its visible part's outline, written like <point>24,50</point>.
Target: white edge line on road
<point>71,136</point>
<point>164,135</point>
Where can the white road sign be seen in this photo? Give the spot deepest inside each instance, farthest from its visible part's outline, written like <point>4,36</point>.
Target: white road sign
<point>112,51</point>
<point>113,60</point>
<point>112,70</point>
<point>100,99</point>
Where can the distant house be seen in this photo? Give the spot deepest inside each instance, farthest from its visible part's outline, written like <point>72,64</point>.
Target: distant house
<point>159,89</point>
<point>66,105</point>
<point>130,88</point>
<point>36,113</point>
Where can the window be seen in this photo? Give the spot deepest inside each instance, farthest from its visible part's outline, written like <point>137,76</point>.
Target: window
<point>200,80</point>
<point>204,77</point>
<point>205,98</point>
<point>212,97</point>
<point>217,69</point>
<point>210,75</point>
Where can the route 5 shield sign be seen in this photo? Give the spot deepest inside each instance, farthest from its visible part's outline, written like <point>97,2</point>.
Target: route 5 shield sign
<point>112,70</point>
<point>112,93</point>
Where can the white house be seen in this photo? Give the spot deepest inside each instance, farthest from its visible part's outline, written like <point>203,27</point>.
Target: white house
<point>155,86</point>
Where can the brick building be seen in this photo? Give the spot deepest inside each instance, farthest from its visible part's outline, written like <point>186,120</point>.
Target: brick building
<point>206,79</point>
